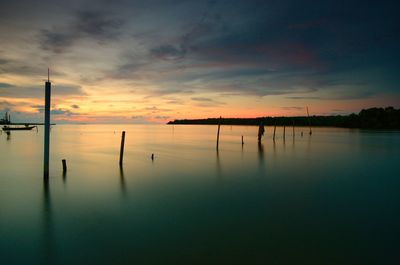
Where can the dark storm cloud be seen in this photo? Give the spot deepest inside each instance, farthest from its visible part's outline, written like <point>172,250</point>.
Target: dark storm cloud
<point>97,25</point>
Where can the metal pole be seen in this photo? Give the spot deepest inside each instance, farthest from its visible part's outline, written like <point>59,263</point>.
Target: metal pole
<point>47,129</point>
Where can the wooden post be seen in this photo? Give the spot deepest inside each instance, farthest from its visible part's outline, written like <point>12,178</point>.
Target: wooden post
<point>219,125</point>
<point>64,165</point>
<point>47,127</point>
<point>309,122</point>
<point>274,132</point>
<point>242,140</point>
<point>121,152</point>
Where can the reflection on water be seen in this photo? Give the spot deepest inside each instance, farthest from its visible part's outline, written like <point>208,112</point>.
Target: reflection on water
<point>48,234</point>
<point>122,181</point>
<point>218,165</point>
<point>329,198</point>
<point>261,153</point>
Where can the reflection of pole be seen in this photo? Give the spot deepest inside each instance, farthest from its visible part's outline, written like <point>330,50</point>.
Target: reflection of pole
<point>47,128</point>
<point>284,132</point>
<point>219,125</point>
<point>293,130</point>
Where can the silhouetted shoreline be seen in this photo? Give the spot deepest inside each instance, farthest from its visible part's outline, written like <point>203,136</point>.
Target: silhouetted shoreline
<point>373,118</point>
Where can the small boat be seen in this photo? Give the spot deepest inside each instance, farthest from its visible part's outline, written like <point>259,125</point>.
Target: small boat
<point>24,128</point>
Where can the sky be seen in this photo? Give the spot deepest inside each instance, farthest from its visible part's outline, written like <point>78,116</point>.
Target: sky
<point>152,61</point>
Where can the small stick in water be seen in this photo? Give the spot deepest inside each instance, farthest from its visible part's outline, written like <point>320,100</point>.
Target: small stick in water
<point>152,156</point>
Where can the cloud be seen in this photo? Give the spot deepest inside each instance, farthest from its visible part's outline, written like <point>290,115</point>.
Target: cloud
<point>206,102</point>
<point>292,108</point>
<point>25,67</point>
<point>56,41</point>
<point>201,99</point>
<point>168,52</point>
<point>162,117</point>
<point>6,106</point>
<point>5,85</point>
<point>54,111</point>
<point>74,106</point>
<point>302,97</point>
<point>98,25</point>
<point>38,92</point>
<point>179,49</point>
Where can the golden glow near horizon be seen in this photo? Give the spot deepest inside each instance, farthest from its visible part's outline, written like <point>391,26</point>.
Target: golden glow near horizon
<point>113,64</point>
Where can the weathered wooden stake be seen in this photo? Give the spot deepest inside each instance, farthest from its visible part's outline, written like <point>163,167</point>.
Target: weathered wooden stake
<point>47,127</point>
<point>309,121</point>
<point>274,132</point>
<point>219,125</point>
<point>242,140</point>
<point>121,152</point>
<point>64,165</point>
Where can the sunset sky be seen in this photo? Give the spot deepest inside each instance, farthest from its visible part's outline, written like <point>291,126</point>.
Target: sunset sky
<point>126,61</point>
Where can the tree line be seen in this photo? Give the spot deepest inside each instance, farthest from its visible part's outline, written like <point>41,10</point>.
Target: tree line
<point>372,118</point>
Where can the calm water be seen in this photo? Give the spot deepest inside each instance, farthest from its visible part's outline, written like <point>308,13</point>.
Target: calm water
<point>329,198</point>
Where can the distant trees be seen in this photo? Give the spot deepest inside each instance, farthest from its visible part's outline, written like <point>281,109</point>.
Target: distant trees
<point>373,118</point>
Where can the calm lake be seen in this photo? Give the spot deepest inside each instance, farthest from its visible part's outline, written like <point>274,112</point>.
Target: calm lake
<point>329,198</point>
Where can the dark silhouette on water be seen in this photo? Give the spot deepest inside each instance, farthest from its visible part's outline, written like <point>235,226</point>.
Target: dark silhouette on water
<point>48,235</point>
<point>261,153</point>
<point>373,118</point>
<point>261,131</point>
<point>122,181</point>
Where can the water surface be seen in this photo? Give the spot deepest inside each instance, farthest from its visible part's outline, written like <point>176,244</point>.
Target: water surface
<point>329,198</point>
